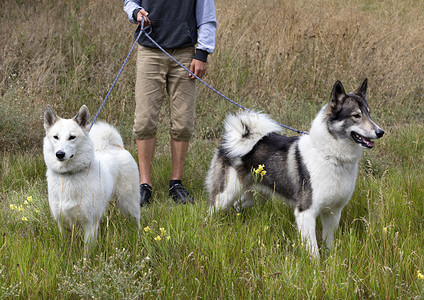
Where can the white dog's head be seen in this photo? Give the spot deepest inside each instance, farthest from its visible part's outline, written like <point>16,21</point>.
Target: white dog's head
<point>67,146</point>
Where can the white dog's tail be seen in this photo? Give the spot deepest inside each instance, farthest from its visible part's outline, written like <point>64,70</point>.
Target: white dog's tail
<point>104,136</point>
<point>244,130</point>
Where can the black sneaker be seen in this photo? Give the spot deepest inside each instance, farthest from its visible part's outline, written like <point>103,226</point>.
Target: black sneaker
<point>180,194</point>
<point>145,194</point>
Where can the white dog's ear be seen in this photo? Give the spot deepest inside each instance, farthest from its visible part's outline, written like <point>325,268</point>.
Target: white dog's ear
<point>362,90</point>
<point>50,118</point>
<point>83,118</point>
<point>338,94</point>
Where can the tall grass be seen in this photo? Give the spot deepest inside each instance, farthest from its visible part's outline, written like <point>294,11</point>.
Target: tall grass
<point>281,57</point>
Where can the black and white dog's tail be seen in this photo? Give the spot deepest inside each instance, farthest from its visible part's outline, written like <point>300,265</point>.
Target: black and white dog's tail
<point>244,130</point>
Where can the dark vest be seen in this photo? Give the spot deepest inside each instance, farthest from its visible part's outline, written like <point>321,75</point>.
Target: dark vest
<point>173,23</point>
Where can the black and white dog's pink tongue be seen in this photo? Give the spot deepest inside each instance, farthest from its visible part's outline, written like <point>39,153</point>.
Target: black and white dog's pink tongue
<point>368,142</point>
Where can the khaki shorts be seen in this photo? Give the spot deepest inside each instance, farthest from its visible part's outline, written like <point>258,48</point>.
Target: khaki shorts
<point>158,75</point>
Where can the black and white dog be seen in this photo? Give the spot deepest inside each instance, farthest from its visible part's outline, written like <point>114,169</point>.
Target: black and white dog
<point>315,173</point>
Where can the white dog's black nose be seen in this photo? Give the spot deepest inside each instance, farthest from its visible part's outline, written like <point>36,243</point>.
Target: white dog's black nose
<point>60,154</point>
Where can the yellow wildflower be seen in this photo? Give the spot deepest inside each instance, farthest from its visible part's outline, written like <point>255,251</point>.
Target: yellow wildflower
<point>12,206</point>
<point>385,229</point>
<point>20,208</point>
<point>266,228</point>
<point>29,198</point>
<point>168,237</point>
<point>24,219</point>
<point>238,214</point>
<point>158,238</point>
<point>26,203</point>
<point>420,275</point>
<point>162,231</point>
<point>147,229</point>
<point>259,169</point>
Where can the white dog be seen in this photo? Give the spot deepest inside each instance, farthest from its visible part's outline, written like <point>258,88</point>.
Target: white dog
<point>84,168</point>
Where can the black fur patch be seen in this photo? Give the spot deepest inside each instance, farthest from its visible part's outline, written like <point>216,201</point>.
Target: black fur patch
<point>246,132</point>
<point>305,189</point>
<point>273,152</point>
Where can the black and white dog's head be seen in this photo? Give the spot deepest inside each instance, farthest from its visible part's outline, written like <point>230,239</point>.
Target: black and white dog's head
<point>349,116</point>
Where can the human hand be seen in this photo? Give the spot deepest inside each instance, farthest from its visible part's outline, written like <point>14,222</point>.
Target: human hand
<point>198,68</point>
<point>142,14</point>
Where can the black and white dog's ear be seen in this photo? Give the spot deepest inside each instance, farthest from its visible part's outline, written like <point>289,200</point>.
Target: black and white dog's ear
<point>50,118</point>
<point>83,118</point>
<point>338,94</point>
<point>362,90</point>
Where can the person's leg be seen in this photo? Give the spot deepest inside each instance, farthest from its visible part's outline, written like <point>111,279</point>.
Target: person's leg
<point>149,95</point>
<point>182,93</point>
<point>176,189</point>
<point>145,151</point>
<point>179,152</point>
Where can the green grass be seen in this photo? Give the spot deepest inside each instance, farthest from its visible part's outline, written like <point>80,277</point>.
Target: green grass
<point>256,254</point>
<point>281,59</point>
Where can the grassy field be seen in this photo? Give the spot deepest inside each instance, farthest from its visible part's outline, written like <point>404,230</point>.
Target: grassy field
<point>281,57</point>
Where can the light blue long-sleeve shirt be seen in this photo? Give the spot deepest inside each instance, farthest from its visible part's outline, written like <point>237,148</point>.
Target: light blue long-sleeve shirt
<point>205,18</point>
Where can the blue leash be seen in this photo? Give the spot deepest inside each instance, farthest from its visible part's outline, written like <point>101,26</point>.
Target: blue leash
<point>144,30</point>
<point>116,79</point>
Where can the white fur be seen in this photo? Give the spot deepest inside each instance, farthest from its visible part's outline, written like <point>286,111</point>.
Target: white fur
<point>333,166</point>
<point>232,190</point>
<point>94,167</point>
<point>261,124</point>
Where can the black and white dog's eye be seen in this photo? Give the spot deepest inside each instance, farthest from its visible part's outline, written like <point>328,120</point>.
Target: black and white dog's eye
<point>356,116</point>
<point>72,137</point>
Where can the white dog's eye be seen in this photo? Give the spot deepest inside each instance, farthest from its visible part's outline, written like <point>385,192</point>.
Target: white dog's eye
<point>72,137</point>
<point>55,137</point>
